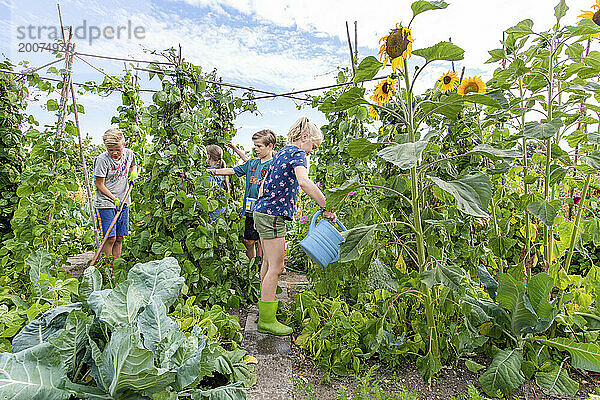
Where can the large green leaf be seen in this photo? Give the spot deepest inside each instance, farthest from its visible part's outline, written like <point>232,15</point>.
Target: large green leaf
<point>491,285</point>
<point>583,27</point>
<point>352,97</point>
<point>554,378</point>
<point>545,211</point>
<point>539,289</point>
<point>441,51</point>
<point>91,281</point>
<point>540,130</point>
<point>232,391</point>
<point>484,99</point>
<point>232,364</point>
<point>122,305</point>
<point>200,364</point>
<point>354,240</point>
<point>504,373</point>
<point>420,6</point>
<point>381,276</point>
<point>584,355</point>
<point>337,195</point>
<point>451,276</point>
<point>33,374</point>
<point>492,152</point>
<point>38,262</point>
<point>450,107</point>
<point>154,323</point>
<point>159,278</point>
<point>97,299</point>
<point>511,296</point>
<point>405,155</point>
<point>42,329</point>
<point>125,365</point>
<point>592,160</point>
<point>521,29</point>
<point>367,69</point>
<point>472,193</point>
<point>361,147</point>
<point>72,340</point>
<point>560,9</point>
<point>428,365</point>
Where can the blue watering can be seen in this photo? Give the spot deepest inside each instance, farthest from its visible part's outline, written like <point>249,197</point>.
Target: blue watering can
<point>322,244</point>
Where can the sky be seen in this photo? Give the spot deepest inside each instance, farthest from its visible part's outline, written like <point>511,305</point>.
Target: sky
<point>273,45</point>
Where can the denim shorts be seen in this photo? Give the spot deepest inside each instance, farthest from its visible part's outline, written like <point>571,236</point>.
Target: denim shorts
<point>104,217</point>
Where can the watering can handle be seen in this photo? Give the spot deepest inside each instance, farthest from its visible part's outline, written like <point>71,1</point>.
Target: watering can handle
<point>314,220</point>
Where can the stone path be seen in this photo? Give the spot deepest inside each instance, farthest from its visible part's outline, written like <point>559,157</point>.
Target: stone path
<point>76,264</point>
<point>274,356</point>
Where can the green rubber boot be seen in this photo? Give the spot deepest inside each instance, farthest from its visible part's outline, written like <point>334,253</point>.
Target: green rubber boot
<point>267,321</point>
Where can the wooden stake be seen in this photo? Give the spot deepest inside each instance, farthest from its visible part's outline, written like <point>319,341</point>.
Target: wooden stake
<point>350,46</point>
<point>85,173</point>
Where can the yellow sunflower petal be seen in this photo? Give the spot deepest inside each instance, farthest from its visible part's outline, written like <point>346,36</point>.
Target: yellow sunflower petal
<point>473,84</point>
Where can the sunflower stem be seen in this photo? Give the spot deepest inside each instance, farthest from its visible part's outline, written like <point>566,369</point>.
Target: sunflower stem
<point>416,184</point>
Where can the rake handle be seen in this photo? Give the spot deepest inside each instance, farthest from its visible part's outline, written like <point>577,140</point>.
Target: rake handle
<point>112,224</point>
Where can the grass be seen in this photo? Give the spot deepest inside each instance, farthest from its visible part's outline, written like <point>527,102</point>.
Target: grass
<point>471,394</point>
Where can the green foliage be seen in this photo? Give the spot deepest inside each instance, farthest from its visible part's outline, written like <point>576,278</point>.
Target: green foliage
<point>12,146</point>
<point>139,351</point>
<point>175,200</point>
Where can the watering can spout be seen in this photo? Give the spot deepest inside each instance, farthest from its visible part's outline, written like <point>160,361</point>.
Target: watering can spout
<point>322,243</point>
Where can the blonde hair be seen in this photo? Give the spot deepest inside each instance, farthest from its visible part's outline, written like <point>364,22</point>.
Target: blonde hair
<point>302,126</point>
<point>113,137</point>
<point>215,153</point>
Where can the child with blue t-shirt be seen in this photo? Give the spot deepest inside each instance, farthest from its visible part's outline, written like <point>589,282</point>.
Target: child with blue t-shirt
<point>254,170</point>
<point>275,205</point>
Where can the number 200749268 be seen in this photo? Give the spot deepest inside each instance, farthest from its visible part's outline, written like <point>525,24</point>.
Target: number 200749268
<point>27,47</point>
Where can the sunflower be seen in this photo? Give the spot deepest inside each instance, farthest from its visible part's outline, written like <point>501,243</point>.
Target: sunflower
<point>373,112</point>
<point>594,16</point>
<point>448,81</point>
<point>397,46</point>
<point>384,91</point>
<point>473,84</point>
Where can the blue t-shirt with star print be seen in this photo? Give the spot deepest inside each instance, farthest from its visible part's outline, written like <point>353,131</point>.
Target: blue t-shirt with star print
<point>280,188</point>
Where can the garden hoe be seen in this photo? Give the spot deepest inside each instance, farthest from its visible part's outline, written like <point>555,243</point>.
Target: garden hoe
<point>114,221</point>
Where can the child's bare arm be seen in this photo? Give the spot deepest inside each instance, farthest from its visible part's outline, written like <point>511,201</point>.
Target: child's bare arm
<point>237,151</point>
<point>312,190</point>
<point>222,171</point>
<point>102,188</point>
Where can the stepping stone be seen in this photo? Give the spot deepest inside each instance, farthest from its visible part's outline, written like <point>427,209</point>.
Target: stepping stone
<point>274,361</point>
<point>76,264</point>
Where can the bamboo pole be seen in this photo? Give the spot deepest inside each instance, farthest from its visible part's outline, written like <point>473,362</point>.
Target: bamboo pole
<point>85,172</point>
<point>64,95</point>
<point>350,47</point>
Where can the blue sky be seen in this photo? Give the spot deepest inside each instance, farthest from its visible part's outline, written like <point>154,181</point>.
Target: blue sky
<point>274,45</point>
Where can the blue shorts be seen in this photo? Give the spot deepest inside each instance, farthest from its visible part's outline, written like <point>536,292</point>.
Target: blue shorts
<point>104,217</point>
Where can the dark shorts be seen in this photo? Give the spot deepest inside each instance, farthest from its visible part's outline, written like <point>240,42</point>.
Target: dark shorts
<point>250,233</point>
<point>104,217</point>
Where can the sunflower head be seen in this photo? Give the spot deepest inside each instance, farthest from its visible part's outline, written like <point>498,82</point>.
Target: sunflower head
<point>384,91</point>
<point>396,46</point>
<point>373,112</point>
<point>448,81</point>
<point>593,15</point>
<point>473,84</point>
